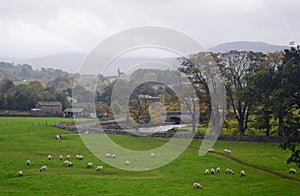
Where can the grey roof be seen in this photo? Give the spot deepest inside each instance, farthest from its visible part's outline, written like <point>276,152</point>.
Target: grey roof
<point>49,103</point>
<point>74,110</point>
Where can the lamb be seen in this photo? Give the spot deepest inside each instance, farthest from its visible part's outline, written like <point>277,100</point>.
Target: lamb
<point>68,163</point>
<point>58,136</point>
<point>197,186</point>
<point>28,162</point>
<point>90,165</point>
<point>79,157</point>
<point>218,169</point>
<point>107,155</point>
<point>68,156</point>
<point>99,168</point>
<point>49,157</point>
<point>43,168</point>
<point>211,150</point>
<point>61,157</point>
<point>229,171</point>
<point>227,152</point>
<point>152,154</point>
<point>113,156</point>
<point>292,171</point>
<point>212,171</point>
<point>206,172</point>
<point>127,162</point>
<point>243,173</point>
<point>20,173</point>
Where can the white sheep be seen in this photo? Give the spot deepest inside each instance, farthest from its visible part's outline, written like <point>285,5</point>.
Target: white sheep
<point>107,155</point>
<point>152,154</point>
<point>68,163</point>
<point>229,171</point>
<point>49,157</point>
<point>99,168</point>
<point>61,157</point>
<point>58,136</point>
<point>68,156</point>
<point>243,173</point>
<point>212,171</point>
<point>197,186</point>
<point>292,171</point>
<point>206,172</point>
<point>227,152</point>
<point>218,169</point>
<point>28,162</point>
<point>89,165</point>
<point>113,156</point>
<point>127,162</point>
<point>79,157</point>
<point>211,150</point>
<point>43,168</point>
<point>20,173</point>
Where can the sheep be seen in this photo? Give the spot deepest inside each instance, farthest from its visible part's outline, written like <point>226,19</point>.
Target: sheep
<point>127,162</point>
<point>292,171</point>
<point>20,173</point>
<point>243,173</point>
<point>61,157</point>
<point>197,186</point>
<point>43,168</point>
<point>49,157</point>
<point>113,156</point>
<point>211,150</point>
<point>68,156</point>
<point>28,162</point>
<point>58,136</point>
<point>79,157</point>
<point>212,171</point>
<point>218,169</point>
<point>229,171</point>
<point>227,152</point>
<point>68,163</point>
<point>99,168</point>
<point>206,172</point>
<point>107,155</point>
<point>89,165</point>
<point>152,154</point>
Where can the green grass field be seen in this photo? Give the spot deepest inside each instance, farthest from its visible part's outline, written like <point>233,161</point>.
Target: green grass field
<point>34,138</point>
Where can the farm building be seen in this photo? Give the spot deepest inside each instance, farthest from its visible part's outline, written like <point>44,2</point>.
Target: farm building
<point>49,108</point>
<point>75,112</point>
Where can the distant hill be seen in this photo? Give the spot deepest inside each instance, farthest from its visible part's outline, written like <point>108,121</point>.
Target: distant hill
<point>247,46</point>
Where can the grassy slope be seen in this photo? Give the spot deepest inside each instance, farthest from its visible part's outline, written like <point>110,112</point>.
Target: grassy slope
<point>22,141</point>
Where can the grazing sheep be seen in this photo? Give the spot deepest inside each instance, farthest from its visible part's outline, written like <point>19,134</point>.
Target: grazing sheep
<point>211,150</point>
<point>229,171</point>
<point>152,154</point>
<point>127,162</point>
<point>99,168</point>
<point>218,169</point>
<point>49,157</point>
<point>292,171</point>
<point>113,156</point>
<point>243,173</point>
<point>79,157</point>
<point>43,168</point>
<point>58,136</point>
<point>107,155</point>
<point>28,162</point>
<point>227,152</point>
<point>197,186</point>
<point>61,157</point>
<point>212,171</point>
<point>68,163</point>
<point>20,173</point>
<point>206,172</point>
<point>68,156</point>
<point>89,165</point>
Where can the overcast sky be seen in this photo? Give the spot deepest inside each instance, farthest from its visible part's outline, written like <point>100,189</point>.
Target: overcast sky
<point>34,28</point>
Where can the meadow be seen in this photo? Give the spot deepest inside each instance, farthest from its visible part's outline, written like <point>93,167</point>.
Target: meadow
<point>34,138</point>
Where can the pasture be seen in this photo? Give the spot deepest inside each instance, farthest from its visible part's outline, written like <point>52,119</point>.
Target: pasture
<point>34,138</point>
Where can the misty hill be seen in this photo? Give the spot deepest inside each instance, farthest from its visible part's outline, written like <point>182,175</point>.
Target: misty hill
<point>247,46</point>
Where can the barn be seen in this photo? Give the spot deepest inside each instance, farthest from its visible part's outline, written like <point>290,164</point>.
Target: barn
<point>49,108</point>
